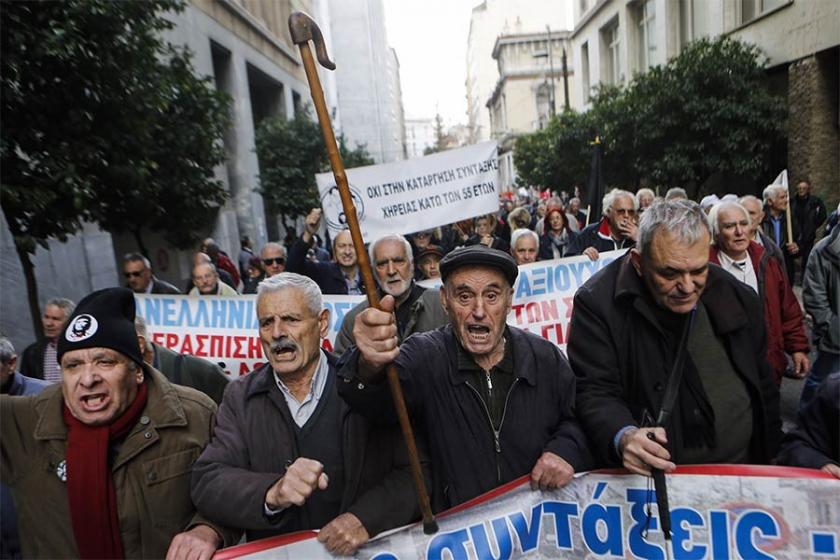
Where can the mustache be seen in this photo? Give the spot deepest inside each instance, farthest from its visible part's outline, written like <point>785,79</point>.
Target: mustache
<point>283,344</point>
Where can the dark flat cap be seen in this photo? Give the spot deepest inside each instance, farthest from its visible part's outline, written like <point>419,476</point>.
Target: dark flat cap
<point>429,250</point>
<point>479,255</point>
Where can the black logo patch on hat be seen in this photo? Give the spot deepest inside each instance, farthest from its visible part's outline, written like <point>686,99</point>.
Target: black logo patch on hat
<point>81,328</point>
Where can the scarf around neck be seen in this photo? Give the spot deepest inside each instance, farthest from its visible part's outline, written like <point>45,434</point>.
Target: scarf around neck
<point>90,486</point>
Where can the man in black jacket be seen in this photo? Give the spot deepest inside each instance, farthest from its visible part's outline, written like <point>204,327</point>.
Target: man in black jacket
<point>624,337</point>
<point>616,229</point>
<point>338,277</point>
<point>287,454</point>
<point>808,213</point>
<point>494,402</point>
<point>138,276</point>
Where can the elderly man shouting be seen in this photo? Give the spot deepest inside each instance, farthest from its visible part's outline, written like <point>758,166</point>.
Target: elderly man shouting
<point>99,465</point>
<point>287,454</point>
<point>495,402</point>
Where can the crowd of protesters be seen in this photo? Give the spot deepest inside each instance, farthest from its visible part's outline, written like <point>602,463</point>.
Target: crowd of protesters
<point>151,453</point>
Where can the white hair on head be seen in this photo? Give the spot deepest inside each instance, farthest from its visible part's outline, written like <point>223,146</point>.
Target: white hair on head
<point>7,350</point>
<point>610,197</point>
<point>287,280</point>
<point>274,245</point>
<point>518,233</point>
<point>772,191</point>
<point>749,198</point>
<point>714,220</point>
<point>682,218</point>
<point>676,193</point>
<point>62,303</point>
<point>640,193</point>
<point>391,237</point>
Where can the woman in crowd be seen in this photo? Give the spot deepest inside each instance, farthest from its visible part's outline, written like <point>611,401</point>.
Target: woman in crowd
<point>555,241</point>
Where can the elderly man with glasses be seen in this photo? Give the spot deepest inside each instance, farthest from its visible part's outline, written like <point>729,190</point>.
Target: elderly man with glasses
<point>139,278</point>
<point>273,257</point>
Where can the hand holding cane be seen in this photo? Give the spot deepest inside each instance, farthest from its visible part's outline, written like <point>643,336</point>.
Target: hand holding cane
<point>303,29</point>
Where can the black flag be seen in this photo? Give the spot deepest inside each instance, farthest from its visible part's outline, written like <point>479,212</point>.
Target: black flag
<point>595,185</point>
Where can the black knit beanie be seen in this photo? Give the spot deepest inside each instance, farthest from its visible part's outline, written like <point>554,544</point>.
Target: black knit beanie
<point>103,319</point>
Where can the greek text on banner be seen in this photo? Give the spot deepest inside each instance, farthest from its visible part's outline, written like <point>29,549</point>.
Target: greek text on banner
<point>416,194</point>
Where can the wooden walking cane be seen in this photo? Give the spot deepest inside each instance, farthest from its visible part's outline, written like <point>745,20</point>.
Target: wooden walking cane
<point>304,29</point>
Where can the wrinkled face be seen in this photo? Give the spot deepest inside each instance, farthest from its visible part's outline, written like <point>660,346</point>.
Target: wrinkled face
<point>733,236</point>
<point>430,266</point>
<point>555,222</point>
<point>756,213</point>
<point>779,202</point>
<point>675,272</point>
<point>206,279</point>
<point>392,268</point>
<point>98,384</point>
<point>477,299</point>
<point>541,210</point>
<point>137,275</point>
<point>574,206</point>
<point>645,200</point>
<point>53,321</point>
<point>290,332</point>
<point>482,227</point>
<point>525,250</point>
<point>803,188</point>
<point>621,213</point>
<point>345,253</point>
<point>274,261</point>
<point>421,239</point>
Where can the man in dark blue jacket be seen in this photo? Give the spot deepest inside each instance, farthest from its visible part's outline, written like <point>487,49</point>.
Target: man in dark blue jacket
<point>338,277</point>
<point>494,402</point>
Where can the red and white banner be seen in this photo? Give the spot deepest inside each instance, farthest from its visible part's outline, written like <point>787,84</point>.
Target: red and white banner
<point>717,512</point>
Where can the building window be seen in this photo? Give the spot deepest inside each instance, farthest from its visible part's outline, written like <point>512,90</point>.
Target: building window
<point>647,35</point>
<point>611,42</point>
<point>584,70</point>
<point>751,9</point>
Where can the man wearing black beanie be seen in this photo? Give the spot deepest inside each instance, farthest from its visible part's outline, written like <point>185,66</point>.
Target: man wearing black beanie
<point>119,441</point>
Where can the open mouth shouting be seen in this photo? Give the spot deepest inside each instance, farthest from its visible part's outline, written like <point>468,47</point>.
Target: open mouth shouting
<point>94,402</point>
<point>283,350</point>
<point>478,334</point>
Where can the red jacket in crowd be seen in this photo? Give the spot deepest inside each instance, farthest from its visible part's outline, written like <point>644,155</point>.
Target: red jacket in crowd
<point>782,314</point>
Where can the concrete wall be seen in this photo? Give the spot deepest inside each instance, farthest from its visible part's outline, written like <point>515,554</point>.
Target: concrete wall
<point>72,270</point>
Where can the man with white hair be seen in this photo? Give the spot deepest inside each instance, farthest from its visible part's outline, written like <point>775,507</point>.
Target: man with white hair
<point>708,202</point>
<point>417,309</point>
<point>644,198</point>
<point>287,455</point>
<point>775,227</point>
<point>524,246</point>
<point>273,257</point>
<point>755,209</point>
<point>632,321</point>
<point>616,230</point>
<point>733,250</point>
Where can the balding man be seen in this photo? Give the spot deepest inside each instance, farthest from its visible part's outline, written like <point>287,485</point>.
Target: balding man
<point>747,261</point>
<point>616,230</point>
<point>338,277</point>
<point>417,309</point>
<point>206,282</point>
<point>273,257</point>
<point>138,275</point>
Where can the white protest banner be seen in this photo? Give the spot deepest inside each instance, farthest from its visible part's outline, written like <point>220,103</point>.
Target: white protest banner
<point>416,194</point>
<point>221,329</point>
<point>543,293</point>
<point>717,512</point>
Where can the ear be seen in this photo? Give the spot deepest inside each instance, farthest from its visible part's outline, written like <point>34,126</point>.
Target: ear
<point>636,260</point>
<point>443,301</point>
<point>139,375</point>
<point>141,341</point>
<point>324,322</point>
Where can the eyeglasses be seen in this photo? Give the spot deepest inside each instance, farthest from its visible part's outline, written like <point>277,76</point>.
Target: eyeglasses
<point>135,274</point>
<point>276,260</point>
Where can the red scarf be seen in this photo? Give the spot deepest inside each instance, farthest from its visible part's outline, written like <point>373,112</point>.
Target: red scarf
<point>90,487</point>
